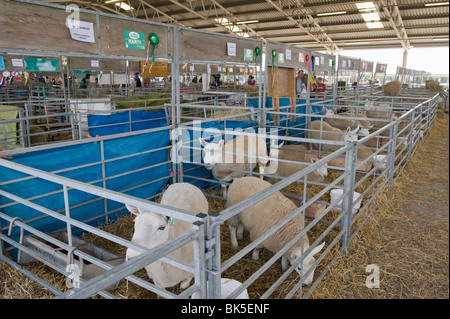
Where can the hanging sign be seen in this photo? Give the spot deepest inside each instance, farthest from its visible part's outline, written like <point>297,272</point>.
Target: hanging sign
<point>134,40</point>
<point>17,63</point>
<point>231,49</point>
<point>248,55</point>
<point>2,64</point>
<point>281,58</point>
<point>81,30</point>
<point>43,65</point>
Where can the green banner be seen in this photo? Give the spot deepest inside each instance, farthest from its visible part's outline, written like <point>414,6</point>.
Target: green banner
<point>45,65</point>
<point>134,40</point>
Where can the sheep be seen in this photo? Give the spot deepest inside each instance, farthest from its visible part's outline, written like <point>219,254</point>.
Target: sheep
<point>295,153</point>
<point>262,216</point>
<point>322,130</point>
<point>343,123</point>
<point>392,88</point>
<point>336,193</point>
<point>241,153</point>
<point>227,286</point>
<point>363,120</point>
<point>151,230</point>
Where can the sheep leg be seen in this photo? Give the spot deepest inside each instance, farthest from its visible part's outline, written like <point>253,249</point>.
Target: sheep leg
<point>284,263</point>
<point>233,238</point>
<point>255,254</point>
<point>240,232</point>
<point>261,168</point>
<point>185,283</point>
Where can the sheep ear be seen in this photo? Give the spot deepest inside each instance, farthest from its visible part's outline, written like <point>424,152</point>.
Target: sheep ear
<point>221,143</point>
<point>348,129</point>
<point>202,141</point>
<point>132,209</point>
<point>317,249</point>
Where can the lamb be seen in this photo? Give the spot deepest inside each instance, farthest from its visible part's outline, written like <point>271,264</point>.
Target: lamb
<point>295,153</point>
<point>153,229</point>
<point>392,88</point>
<point>363,120</point>
<point>324,131</point>
<point>343,123</point>
<point>241,153</point>
<point>262,216</point>
<point>336,193</point>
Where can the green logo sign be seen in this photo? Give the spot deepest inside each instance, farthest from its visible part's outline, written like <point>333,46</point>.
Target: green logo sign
<point>44,65</point>
<point>248,55</point>
<point>134,40</point>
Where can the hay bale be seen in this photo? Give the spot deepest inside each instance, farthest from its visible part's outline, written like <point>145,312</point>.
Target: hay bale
<point>249,88</point>
<point>434,86</point>
<point>392,88</point>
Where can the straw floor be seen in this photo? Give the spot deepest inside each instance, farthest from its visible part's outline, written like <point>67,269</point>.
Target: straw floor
<point>407,237</point>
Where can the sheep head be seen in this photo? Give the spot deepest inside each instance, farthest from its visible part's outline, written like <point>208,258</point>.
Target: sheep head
<point>212,152</point>
<point>306,264</point>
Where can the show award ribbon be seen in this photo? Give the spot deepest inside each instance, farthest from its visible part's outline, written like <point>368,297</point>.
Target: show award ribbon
<point>154,41</point>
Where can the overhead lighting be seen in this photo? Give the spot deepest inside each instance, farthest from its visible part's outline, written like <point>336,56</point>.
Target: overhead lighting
<point>365,5</point>
<point>247,22</point>
<point>331,13</point>
<point>373,16</point>
<point>435,4</point>
<point>122,5</point>
<point>440,39</point>
<point>375,25</point>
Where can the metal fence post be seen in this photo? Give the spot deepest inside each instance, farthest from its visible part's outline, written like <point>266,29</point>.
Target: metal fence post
<point>347,201</point>
<point>411,133</point>
<point>199,256</point>
<point>391,151</point>
<point>213,257</point>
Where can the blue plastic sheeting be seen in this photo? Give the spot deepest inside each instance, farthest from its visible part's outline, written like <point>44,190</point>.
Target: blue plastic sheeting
<point>195,155</point>
<point>54,160</point>
<point>102,125</point>
<point>289,120</point>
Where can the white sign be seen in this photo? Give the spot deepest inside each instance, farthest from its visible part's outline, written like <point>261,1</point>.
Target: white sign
<point>81,30</point>
<point>288,54</point>
<point>231,48</point>
<point>94,64</point>
<point>17,62</point>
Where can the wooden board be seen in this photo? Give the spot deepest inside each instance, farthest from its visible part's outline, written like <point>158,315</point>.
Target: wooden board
<point>200,46</point>
<point>112,38</point>
<point>159,69</point>
<point>33,27</point>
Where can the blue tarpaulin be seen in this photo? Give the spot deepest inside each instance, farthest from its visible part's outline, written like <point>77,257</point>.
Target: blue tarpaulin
<point>121,122</point>
<point>60,161</point>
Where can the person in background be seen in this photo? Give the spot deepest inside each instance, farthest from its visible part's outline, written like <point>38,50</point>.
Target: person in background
<point>299,83</point>
<point>56,82</point>
<point>85,81</point>
<point>251,80</point>
<point>321,88</point>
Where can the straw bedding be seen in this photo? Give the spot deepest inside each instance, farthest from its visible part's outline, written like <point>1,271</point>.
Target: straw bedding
<point>407,237</point>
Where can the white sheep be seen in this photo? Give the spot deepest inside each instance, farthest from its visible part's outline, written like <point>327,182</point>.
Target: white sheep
<point>241,153</point>
<point>151,230</point>
<point>336,193</point>
<point>321,130</point>
<point>227,286</point>
<point>262,216</point>
<point>341,123</point>
<point>293,153</point>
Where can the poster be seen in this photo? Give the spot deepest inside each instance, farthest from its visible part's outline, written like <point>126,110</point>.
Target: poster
<point>81,30</point>
<point>248,55</point>
<point>134,40</point>
<point>231,48</point>
<point>2,64</point>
